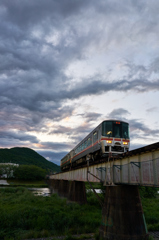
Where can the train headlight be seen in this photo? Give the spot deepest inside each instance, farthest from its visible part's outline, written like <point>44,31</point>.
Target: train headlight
<point>125,143</point>
<point>109,141</point>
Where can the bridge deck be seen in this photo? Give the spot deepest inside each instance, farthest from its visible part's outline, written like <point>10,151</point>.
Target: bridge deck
<point>136,167</point>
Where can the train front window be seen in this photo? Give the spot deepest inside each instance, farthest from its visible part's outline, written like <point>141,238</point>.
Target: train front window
<point>125,130</point>
<point>115,129</point>
<point>107,129</point>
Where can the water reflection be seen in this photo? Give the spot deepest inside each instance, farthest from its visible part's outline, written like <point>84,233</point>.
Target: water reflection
<point>45,192</point>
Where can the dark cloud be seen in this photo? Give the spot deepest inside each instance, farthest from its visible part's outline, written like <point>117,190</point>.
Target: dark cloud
<point>52,156</point>
<point>139,130</point>
<point>152,109</point>
<point>41,40</point>
<point>75,134</point>
<point>91,116</point>
<point>119,113</point>
<point>32,67</point>
<point>56,146</point>
<point>18,135</point>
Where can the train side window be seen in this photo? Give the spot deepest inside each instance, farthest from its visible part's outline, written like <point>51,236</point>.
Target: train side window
<point>82,146</point>
<point>99,133</point>
<point>85,144</point>
<point>95,136</point>
<point>89,141</point>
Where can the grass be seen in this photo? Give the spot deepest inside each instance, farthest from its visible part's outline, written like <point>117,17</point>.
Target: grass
<point>151,212</point>
<point>24,215</point>
<point>26,183</point>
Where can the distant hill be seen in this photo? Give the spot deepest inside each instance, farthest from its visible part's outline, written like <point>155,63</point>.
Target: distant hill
<point>26,156</point>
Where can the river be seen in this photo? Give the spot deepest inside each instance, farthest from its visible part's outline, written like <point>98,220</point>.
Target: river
<point>46,191</point>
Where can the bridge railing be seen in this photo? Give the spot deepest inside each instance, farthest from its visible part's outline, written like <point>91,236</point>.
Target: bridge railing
<point>134,172</point>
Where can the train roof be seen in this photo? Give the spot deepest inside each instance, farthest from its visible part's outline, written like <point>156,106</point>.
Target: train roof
<point>113,120</point>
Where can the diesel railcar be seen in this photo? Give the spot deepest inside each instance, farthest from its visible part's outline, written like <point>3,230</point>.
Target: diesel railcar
<point>110,137</point>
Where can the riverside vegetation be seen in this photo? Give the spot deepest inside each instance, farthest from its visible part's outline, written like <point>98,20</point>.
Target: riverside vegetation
<point>150,203</point>
<point>26,156</point>
<point>25,216</point>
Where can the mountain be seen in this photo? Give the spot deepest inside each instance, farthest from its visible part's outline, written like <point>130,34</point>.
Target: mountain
<point>26,156</point>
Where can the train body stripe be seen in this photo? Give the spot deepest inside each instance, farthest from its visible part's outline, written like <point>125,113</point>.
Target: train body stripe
<point>82,151</point>
<point>92,145</point>
<point>106,139</point>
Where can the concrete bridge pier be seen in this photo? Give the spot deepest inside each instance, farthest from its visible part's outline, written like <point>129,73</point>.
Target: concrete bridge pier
<point>72,190</point>
<point>122,214</point>
<point>63,188</point>
<point>53,185</point>
<point>77,192</point>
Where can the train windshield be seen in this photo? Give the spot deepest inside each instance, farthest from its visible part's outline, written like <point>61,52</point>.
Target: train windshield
<point>115,129</point>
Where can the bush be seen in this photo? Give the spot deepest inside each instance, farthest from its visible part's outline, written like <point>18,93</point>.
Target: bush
<point>29,172</point>
<point>151,212</point>
<point>24,215</point>
<point>148,192</point>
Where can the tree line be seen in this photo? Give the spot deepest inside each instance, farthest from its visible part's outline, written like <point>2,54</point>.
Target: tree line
<point>23,172</point>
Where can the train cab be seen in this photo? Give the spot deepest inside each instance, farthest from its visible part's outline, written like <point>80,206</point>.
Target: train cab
<point>115,137</point>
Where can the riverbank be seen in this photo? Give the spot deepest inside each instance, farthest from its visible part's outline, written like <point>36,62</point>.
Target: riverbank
<point>88,236</point>
<point>23,183</point>
<point>25,216</point>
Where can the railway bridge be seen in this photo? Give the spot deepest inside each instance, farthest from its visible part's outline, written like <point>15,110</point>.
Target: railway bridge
<point>122,213</point>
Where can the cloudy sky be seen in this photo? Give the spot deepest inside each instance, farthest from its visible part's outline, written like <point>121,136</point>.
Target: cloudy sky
<point>67,65</point>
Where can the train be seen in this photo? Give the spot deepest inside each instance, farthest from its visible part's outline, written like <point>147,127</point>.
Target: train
<point>110,137</point>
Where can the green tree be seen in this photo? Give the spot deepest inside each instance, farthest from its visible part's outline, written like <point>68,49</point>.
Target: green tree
<point>29,172</point>
<point>148,192</point>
